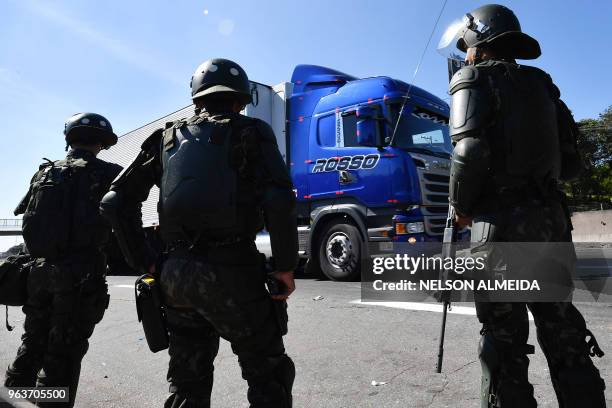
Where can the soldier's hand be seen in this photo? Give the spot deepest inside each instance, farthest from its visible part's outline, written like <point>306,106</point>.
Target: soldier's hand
<point>462,220</point>
<point>287,282</point>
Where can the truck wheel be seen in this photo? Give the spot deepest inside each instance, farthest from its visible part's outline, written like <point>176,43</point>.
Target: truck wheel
<point>340,252</point>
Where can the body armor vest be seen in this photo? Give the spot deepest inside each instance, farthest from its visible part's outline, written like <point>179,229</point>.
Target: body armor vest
<point>523,134</point>
<point>202,193</point>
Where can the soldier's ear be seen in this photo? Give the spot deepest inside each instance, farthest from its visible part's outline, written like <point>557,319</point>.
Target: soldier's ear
<point>198,103</point>
<point>238,106</point>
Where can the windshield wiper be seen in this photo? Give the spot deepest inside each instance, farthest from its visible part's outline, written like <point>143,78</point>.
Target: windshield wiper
<point>430,152</point>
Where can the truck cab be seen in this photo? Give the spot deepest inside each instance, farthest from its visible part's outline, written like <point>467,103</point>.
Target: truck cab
<point>364,179</point>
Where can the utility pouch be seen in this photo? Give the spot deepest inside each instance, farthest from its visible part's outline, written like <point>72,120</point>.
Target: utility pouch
<point>275,287</point>
<point>151,312</point>
<point>13,280</point>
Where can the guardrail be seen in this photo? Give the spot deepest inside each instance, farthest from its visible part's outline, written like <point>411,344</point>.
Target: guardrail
<point>10,223</point>
<point>10,226</point>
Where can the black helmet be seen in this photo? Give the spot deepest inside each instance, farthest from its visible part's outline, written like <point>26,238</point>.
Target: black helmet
<point>220,75</point>
<point>497,25</point>
<point>89,128</point>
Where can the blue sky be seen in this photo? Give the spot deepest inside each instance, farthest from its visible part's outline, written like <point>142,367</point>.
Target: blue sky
<point>132,60</point>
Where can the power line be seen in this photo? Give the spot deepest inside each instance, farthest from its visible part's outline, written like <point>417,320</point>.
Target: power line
<point>433,30</point>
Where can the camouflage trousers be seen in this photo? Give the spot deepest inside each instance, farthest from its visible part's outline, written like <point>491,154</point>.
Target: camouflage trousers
<point>561,329</point>
<point>222,294</point>
<point>562,335</point>
<point>65,301</point>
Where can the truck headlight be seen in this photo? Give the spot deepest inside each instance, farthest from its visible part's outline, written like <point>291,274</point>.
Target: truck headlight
<point>403,228</point>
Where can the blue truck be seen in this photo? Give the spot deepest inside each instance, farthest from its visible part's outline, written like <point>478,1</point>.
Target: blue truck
<point>363,179</point>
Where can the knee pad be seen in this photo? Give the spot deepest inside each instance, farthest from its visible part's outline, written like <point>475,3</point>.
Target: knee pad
<point>498,389</point>
<point>490,363</point>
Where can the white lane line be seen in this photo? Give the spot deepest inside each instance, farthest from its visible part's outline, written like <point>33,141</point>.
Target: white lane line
<point>124,286</point>
<point>425,307</point>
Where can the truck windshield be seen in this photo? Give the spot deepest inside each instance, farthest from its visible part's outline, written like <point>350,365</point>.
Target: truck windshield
<point>421,131</point>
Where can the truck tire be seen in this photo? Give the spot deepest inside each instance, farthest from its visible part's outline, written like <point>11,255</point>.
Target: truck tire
<point>339,251</point>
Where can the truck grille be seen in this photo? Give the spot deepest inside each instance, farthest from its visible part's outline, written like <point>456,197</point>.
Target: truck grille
<point>435,225</point>
<point>437,210</point>
<point>434,180</point>
<point>434,188</point>
<point>438,188</point>
<point>438,178</point>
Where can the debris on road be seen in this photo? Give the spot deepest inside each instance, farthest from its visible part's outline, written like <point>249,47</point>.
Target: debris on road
<point>318,298</point>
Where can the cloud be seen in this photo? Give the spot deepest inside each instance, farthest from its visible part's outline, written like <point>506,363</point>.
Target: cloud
<point>112,46</point>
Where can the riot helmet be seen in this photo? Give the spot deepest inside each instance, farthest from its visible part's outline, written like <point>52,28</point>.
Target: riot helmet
<point>89,128</point>
<point>219,75</point>
<point>494,25</point>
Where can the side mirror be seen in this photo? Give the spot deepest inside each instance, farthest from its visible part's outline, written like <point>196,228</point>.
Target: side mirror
<point>367,127</point>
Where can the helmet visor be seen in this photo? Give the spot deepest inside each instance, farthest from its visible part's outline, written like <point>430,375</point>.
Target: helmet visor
<point>447,47</point>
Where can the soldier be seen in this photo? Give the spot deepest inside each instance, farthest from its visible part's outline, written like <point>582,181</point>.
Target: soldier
<point>221,178</point>
<point>505,168</point>
<point>62,228</point>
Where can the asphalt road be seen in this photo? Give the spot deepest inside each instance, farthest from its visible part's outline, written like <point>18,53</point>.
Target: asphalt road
<point>339,346</point>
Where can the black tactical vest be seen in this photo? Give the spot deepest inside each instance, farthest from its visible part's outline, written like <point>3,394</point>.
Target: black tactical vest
<point>204,197</point>
<point>523,134</point>
<point>61,210</point>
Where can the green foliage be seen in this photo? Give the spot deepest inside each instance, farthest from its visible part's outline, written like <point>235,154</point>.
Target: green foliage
<point>595,142</point>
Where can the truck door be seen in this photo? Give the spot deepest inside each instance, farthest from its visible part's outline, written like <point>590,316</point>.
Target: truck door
<point>363,172</point>
<point>322,157</point>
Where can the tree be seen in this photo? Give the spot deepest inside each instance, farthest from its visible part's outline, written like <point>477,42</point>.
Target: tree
<point>595,142</point>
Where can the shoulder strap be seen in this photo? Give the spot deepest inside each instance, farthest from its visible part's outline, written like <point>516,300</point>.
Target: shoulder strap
<point>168,134</point>
<point>168,139</point>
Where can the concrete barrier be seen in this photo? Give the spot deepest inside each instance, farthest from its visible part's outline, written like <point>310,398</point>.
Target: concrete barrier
<point>592,226</point>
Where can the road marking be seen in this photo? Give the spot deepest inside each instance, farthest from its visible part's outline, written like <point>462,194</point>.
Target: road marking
<point>425,307</point>
<point>124,286</point>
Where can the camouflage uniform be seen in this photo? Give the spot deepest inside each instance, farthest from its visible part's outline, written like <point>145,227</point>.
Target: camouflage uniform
<point>510,152</point>
<point>217,289</point>
<point>67,297</point>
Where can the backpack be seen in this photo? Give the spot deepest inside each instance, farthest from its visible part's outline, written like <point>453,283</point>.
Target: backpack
<point>62,211</point>
<point>198,194</point>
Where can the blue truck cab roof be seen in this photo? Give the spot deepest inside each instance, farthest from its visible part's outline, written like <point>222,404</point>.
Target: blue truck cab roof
<point>342,90</point>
